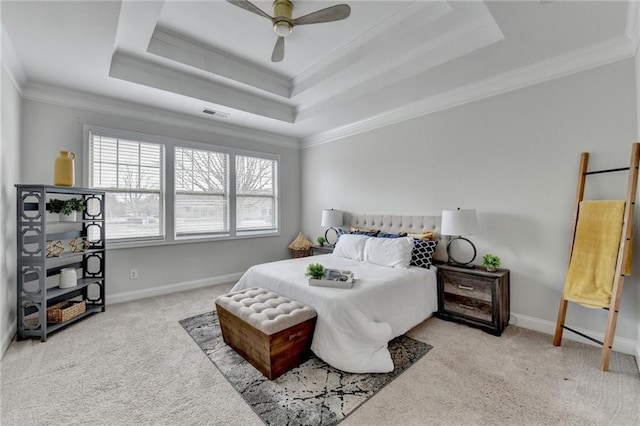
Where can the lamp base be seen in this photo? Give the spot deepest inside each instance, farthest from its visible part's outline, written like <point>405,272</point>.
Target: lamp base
<point>456,262</point>
<point>462,265</point>
<point>326,236</point>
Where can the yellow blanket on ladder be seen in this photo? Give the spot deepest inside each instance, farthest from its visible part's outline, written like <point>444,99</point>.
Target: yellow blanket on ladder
<point>595,253</point>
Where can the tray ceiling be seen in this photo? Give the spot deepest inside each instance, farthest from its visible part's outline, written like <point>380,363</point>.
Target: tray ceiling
<point>388,61</point>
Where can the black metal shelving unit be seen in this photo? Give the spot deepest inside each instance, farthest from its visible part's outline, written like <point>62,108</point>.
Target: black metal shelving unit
<point>35,292</point>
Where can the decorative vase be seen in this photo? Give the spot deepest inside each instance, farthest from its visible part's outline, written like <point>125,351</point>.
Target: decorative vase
<point>491,269</point>
<point>64,169</point>
<point>71,217</point>
<point>68,278</point>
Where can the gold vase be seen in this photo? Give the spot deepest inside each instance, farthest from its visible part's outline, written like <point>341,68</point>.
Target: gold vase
<point>64,170</point>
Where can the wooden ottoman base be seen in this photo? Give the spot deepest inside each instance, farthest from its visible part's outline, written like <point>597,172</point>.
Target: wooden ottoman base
<point>272,355</point>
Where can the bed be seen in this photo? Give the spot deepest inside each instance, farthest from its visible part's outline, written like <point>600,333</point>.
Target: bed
<point>354,325</point>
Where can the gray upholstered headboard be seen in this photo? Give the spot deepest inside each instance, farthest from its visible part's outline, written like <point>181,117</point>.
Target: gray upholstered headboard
<point>395,224</point>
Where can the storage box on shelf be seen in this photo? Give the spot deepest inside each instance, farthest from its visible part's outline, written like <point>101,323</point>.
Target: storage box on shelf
<point>46,246</point>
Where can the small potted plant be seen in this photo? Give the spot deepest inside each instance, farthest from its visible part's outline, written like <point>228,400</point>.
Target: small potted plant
<point>321,240</point>
<point>315,271</point>
<point>491,262</point>
<point>67,208</point>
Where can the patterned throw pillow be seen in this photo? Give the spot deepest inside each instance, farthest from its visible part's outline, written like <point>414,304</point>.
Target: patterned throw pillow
<point>422,253</point>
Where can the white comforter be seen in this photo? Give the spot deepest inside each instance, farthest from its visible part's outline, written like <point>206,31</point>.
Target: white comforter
<point>354,325</point>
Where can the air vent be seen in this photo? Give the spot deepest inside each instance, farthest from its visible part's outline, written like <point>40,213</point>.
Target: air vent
<point>216,113</point>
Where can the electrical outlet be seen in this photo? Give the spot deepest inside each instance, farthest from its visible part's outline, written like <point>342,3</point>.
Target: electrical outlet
<point>133,274</point>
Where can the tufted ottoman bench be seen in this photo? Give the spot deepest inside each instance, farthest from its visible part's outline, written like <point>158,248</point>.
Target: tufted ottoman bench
<point>272,332</point>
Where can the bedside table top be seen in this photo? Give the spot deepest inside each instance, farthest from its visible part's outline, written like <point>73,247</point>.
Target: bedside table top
<point>316,249</point>
<point>476,270</point>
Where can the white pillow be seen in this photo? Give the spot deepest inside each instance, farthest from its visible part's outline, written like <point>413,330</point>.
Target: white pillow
<point>351,246</point>
<point>394,252</point>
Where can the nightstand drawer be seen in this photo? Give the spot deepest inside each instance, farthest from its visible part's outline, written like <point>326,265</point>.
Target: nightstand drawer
<point>474,296</point>
<point>468,286</point>
<point>468,306</point>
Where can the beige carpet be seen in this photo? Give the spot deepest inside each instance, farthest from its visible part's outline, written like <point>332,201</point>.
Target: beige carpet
<point>134,364</point>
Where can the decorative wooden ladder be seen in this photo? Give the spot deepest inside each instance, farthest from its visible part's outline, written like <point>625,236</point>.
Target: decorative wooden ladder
<point>623,253</point>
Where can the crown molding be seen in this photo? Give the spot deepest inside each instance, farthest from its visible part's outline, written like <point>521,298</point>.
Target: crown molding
<point>152,74</point>
<point>604,53</point>
<point>11,63</point>
<point>415,16</point>
<point>103,105</point>
<point>632,30</point>
<point>379,85</point>
<point>181,49</point>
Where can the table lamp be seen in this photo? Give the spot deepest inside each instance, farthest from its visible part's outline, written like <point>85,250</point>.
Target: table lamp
<point>331,218</point>
<point>457,223</point>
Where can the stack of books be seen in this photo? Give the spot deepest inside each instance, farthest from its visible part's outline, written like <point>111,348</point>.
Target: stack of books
<point>334,278</point>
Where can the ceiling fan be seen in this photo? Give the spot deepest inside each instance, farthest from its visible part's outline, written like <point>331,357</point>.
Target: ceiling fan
<point>283,23</point>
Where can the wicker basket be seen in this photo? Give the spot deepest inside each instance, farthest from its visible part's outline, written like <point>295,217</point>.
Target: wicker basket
<point>301,252</point>
<point>65,311</point>
<point>300,247</point>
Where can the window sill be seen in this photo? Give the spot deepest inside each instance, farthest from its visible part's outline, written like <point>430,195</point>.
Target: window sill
<point>186,240</point>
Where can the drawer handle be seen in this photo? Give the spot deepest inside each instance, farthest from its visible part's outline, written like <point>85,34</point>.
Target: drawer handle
<point>462,305</point>
<point>465,287</point>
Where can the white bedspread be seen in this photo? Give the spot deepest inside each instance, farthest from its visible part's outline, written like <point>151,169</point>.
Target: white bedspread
<point>354,325</point>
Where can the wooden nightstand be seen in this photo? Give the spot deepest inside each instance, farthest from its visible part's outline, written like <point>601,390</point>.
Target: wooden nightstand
<point>321,250</point>
<point>474,297</point>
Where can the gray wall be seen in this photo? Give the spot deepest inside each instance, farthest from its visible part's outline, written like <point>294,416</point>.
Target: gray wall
<point>9,176</point>
<point>513,157</point>
<point>49,128</point>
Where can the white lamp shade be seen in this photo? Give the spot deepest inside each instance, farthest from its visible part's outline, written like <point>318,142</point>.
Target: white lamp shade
<point>459,222</point>
<point>331,218</point>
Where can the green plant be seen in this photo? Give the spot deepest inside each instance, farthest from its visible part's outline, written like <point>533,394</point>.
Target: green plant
<point>321,240</point>
<point>66,206</point>
<point>315,270</point>
<point>490,261</point>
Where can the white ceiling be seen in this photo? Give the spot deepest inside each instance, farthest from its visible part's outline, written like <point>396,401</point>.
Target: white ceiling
<point>390,60</point>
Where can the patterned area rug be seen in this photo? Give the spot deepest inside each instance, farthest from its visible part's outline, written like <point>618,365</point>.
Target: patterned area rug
<point>313,393</point>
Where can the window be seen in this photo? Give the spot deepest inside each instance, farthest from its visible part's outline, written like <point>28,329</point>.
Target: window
<point>255,193</point>
<point>170,190</point>
<point>131,173</point>
<point>202,199</point>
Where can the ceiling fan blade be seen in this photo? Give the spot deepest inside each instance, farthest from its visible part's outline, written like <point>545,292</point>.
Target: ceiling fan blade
<point>330,14</point>
<point>247,5</point>
<point>278,50</point>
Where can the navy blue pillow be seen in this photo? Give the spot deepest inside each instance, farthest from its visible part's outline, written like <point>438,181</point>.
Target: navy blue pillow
<point>385,235</point>
<point>342,232</point>
<point>422,253</point>
<point>367,233</point>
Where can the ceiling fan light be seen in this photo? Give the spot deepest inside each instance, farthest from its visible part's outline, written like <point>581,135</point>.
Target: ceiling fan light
<point>282,28</point>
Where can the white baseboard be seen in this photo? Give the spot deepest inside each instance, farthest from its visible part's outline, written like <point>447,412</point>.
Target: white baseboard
<point>7,337</point>
<point>620,344</point>
<point>171,288</point>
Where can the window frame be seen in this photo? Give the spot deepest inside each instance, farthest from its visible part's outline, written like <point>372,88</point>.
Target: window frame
<point>169,187</point>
